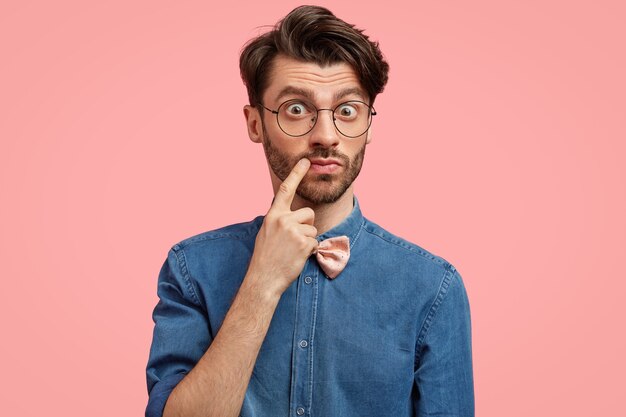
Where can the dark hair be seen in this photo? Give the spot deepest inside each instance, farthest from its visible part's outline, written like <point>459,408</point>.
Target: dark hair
<point>313,34</point>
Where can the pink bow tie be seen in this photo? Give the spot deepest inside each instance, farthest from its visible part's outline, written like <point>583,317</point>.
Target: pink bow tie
<point>333,254</point>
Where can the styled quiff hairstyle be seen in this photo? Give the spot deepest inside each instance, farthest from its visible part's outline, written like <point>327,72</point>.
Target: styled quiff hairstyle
<point>313,34</point>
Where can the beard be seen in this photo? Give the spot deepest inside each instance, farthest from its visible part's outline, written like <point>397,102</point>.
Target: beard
<point>315,188</point>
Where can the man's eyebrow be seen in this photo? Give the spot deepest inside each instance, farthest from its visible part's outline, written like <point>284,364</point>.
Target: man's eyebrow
<point>309,94</point>
<point>290,90</point>
<point>350,91</point>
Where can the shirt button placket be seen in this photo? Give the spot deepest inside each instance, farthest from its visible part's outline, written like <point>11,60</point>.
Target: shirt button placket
<point>306,299</point>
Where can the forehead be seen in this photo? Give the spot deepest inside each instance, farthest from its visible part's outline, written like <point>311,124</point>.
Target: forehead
<point>324,83</point>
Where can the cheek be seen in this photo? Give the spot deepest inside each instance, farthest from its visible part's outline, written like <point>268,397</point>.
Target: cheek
<point>354,150</point>
<point>291,146</point>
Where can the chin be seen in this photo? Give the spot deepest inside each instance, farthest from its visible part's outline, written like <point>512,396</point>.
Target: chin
<point>322,192</point>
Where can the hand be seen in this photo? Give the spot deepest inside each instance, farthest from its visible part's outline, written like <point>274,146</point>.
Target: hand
<point>286,238</point>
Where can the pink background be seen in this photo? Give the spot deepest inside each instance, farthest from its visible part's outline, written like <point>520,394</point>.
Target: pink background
<point>499,145</point>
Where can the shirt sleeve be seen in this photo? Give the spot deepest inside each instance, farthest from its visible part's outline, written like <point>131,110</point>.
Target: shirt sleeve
<point>443,374</point>
<point>181,332</point>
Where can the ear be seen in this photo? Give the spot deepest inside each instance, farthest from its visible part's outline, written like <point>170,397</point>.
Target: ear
<point>253,122</point>
<point>368,136</point>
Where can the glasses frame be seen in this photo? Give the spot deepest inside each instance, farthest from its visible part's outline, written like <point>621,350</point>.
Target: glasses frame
<point>372,112</point>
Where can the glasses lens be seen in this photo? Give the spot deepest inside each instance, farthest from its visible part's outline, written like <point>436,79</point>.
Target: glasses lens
<point>353,118</point>
<point>296,117</point>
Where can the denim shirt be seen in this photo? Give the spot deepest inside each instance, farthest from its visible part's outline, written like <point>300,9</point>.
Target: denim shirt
<point>390,336</point>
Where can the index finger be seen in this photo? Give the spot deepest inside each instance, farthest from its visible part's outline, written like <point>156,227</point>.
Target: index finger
<point>287,190</point>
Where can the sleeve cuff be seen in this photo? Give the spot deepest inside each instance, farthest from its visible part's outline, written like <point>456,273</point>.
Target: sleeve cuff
<point>160,393</point>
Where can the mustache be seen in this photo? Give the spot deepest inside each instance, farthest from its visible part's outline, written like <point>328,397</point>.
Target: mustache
<point>325,153</point>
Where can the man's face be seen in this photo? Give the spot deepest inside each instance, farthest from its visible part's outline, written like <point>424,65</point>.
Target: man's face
<point>336,160</point>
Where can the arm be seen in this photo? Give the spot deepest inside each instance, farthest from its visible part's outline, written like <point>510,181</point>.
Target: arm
<point>444,375</point>
<point>181,337</point>
<point>217,384</point>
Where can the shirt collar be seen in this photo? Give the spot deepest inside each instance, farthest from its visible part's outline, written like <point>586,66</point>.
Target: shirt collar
<point>350,226</point>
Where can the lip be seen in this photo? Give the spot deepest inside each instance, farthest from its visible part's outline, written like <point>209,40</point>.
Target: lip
<point>325,166</point>
<point>329,161</point>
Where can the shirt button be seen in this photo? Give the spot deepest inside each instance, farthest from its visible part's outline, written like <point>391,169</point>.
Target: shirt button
<point>304,343</point>
<point>308,280</point>
<point>299,411</point>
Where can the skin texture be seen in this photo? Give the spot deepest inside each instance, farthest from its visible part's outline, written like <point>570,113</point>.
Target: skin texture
<point>305,205</point>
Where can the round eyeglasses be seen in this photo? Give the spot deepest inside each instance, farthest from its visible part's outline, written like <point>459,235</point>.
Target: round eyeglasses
<point>297,117</point>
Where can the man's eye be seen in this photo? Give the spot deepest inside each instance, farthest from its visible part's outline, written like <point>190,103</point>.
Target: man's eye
<point>296,109</point>
<point>347,111</point>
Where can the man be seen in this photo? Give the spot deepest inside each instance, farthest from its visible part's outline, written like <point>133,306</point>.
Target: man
<point>312,309</point>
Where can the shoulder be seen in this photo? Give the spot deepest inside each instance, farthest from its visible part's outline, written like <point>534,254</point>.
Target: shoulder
<point>214,254</point>
<point>429,272</point>
<point>237,232</point>
<point>399,246</point>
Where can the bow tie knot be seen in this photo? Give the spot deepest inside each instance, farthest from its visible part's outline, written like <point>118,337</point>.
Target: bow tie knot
<point>332,255</point>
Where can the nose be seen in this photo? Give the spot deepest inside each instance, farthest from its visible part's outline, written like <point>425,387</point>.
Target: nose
<point>324,132</point>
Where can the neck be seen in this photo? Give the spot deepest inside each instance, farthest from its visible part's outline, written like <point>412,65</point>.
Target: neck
<point>328,215</point>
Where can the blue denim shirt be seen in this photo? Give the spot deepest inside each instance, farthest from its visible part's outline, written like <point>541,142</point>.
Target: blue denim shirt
<point>390,336</point>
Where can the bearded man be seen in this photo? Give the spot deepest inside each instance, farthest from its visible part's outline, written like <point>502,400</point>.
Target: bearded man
<point>311,309</point>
